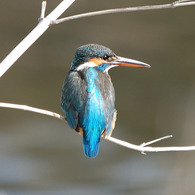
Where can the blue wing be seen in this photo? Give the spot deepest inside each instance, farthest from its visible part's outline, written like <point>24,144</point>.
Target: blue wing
<point>73,98</point>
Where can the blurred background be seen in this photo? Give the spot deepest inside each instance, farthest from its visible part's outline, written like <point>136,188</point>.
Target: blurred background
<point>42,155</point>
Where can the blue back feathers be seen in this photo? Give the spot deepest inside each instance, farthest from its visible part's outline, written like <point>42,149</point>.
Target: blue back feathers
<point>94,121</point>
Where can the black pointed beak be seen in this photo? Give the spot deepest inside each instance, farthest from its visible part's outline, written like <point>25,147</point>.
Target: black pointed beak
<point>120,61</point>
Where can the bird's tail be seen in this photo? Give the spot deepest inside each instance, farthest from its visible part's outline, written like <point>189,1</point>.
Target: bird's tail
<point>89,150</point>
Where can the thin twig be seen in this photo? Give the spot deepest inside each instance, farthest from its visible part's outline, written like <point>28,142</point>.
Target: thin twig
<point>156,140</point>
<point>127,9</point>
<point>182,1</point>
<point>43,9</point>
<point>142,148</point>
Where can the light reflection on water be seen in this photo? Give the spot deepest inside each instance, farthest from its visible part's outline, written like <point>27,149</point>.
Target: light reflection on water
<point>41,155</point>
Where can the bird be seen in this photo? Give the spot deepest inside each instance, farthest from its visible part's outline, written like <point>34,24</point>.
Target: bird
<point>88,95</point>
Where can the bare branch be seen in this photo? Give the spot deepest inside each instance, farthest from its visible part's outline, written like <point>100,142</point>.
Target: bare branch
<point>33,35</point>
<point>127,9</point>
<point>143,148</point>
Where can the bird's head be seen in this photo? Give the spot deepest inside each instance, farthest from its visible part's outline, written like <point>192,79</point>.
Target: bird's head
<point>101,58</point>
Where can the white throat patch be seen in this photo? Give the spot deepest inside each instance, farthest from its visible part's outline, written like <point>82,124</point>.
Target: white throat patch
<point>86,65</point>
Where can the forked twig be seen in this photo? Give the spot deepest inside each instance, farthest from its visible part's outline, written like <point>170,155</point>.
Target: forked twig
<point>143,148</point>
<point>42,26</point>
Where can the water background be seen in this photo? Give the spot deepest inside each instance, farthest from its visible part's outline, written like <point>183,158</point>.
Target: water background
<point>42,155</point>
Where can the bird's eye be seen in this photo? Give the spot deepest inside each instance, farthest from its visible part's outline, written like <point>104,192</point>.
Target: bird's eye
<point>105,57</point>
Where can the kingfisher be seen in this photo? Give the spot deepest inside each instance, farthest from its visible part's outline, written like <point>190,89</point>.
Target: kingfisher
<point>88,96</point>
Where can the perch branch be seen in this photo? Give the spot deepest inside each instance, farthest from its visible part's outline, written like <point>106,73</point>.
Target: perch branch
<point>143,148</point>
